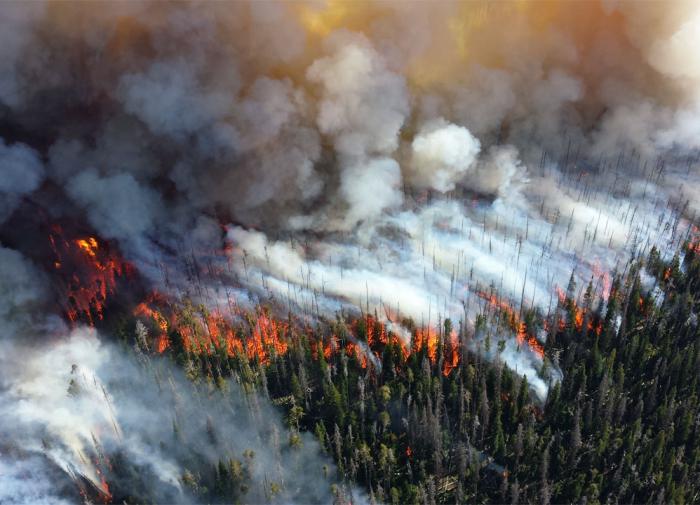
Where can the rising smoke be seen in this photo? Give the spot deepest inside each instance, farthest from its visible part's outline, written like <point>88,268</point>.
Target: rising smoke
<point>70,404</point>
<point>390,157</point>
<point>80,417</point>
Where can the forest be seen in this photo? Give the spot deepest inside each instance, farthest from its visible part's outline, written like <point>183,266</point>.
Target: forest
<point>434,422</point>
<point>359,252</point>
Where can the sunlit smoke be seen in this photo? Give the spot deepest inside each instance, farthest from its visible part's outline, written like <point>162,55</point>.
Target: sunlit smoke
<point>282,165</point>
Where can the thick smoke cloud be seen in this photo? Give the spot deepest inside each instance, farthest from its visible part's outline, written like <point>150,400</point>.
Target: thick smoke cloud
<point>363,104</point>
<point>21,173</point>
<point>77,415</point>
<point>403,159</point>
<point>166,97</point>
<point>362,107</point>
<point>276,127</point>
<point>441,156</point>
<point>15,29</point>
<point>31,480</point>
<point>23,294</point>
<point>69,403</point>
<point>116,204</point>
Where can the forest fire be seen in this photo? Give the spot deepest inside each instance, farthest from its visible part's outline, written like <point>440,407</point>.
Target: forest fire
<point>514,322</point>
<point>604,276</point>
<point>349,252</point>
<point>453,356</point>
<point>428,338</point>
<point>579,314</point>
<point>89,271</point>
<point>205,332</point>
<point>258,335</point>
<point>104,486</point>
<point>145,310</point>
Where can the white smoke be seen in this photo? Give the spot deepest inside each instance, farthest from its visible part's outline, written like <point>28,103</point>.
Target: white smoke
<point>69,402</point>
<point>500,172</point>
<point>363,104</point>
<point>442,154</point>
<point>75,403</point>
<point>378,177</point>
<point>23,293</point>
<point>319,139</point>
<point>29,480</point>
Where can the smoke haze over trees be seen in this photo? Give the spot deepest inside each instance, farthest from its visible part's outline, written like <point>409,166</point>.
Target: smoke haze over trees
<point>221,223</point>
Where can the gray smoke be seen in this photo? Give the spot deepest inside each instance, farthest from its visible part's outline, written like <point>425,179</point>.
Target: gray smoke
<point>380,155</point>
<point>79,416</point>
<point>21,173</point>
<point>69,402</point>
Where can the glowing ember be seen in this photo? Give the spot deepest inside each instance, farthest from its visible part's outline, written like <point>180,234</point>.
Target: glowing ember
<point>103,486</point>
<point>89,245</point>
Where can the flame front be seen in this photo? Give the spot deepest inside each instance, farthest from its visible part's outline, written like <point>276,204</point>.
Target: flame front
<point>259,336</point>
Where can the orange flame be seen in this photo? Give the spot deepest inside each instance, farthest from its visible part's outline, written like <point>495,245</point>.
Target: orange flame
<point>89,245</point>
<point>579,313</point>
<point>452,359</point>
<point>427,337</point>
<point>561,294</point>
<point>515,322</point>
<point>104,487</point>
<point>265,337</point>
<point>352,349</point>
<point>91,272</point>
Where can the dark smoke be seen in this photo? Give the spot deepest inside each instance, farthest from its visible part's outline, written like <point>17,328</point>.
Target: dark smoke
<point>369,155</point>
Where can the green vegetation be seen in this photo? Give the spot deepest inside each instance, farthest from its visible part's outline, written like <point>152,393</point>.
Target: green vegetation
<point>622,426</point>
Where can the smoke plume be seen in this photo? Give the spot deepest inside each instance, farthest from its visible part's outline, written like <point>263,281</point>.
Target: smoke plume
<point>407,160</point>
